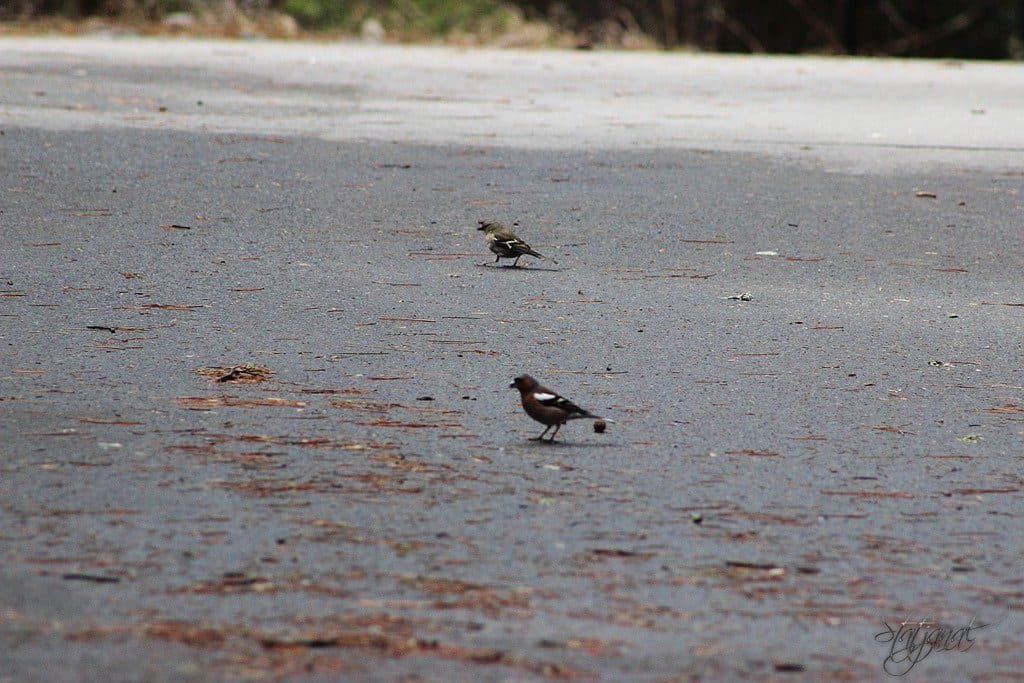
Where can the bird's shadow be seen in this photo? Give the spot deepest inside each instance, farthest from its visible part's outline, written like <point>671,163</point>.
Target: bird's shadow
<point>569,444</point>
<point>522,269</point>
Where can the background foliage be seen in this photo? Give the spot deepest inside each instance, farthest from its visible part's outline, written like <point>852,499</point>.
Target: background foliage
<point>930,28</point>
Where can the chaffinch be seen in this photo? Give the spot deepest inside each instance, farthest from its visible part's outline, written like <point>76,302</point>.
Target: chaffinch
<point>547,407</point>
<point>506,244</point>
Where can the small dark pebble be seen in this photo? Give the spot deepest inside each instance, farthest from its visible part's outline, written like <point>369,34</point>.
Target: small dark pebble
<point>425,398</point>
<point>550,642</point>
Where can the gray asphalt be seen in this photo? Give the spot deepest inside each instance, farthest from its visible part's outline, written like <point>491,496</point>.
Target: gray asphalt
<point>784,473</point>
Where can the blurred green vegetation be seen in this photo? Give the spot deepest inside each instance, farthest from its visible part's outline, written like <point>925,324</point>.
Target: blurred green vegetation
<point>430,17</point>
<point>928,28</point>
<point>398,19</point>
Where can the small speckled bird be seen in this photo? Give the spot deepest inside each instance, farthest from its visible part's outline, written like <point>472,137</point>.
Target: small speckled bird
<point>506,244</point>
<point>547,407</point>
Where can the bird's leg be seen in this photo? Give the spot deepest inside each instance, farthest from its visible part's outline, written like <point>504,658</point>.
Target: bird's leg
<point>497,258</point>
<point>515,264</point>
<point>552,437</point>
<point>541,437</point>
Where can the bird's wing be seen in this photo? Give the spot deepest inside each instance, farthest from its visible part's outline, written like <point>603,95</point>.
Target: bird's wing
<point>549,398</point>
<point>511,242</point>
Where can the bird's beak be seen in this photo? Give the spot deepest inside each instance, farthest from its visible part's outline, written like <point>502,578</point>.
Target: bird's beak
<point>512,385</point>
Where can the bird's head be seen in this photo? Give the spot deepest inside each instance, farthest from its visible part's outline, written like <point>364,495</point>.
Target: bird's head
<point>489,225</point>
<point>523,383</point>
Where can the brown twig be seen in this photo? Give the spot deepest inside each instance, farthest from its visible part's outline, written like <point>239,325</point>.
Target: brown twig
<point>721,17</point>
<point>818,25</point>
<point>955,24</point>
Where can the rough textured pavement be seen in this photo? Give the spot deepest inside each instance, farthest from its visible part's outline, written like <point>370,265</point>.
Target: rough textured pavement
<point>784,473</point>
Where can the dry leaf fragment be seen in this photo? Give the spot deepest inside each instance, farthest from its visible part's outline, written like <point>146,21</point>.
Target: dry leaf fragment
<point>760,566</point>
<point>232,401</point>
<point>160,307</point>
<point>185,633</point>
<point>869,494</point>
<point>978,492</point>
<point>752,452</point>
<point>246,374</point>
<point>1006,408</point>
<point>620,552</point>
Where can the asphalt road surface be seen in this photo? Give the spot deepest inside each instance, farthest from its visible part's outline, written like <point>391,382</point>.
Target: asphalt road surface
<point>794,284</point>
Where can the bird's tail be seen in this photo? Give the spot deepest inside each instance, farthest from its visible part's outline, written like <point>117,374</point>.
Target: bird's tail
<point>540,255</point>
<point>584,415</point>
